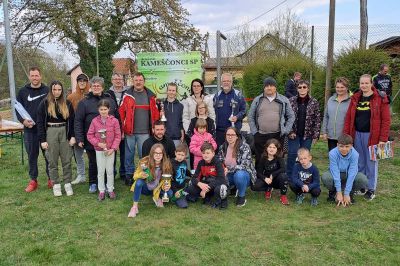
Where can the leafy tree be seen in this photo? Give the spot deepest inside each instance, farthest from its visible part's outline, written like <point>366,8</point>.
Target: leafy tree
<point>152,25</point>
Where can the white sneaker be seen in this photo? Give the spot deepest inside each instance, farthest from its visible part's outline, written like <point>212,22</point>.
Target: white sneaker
<point>57,190</point>
<point>78,180</point>
<point>68,189</point>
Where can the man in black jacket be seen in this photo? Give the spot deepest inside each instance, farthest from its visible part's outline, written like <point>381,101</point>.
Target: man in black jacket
<point>159,137</point>
<point>291,85</point>
<point>86,111</point>
<point>173,111</point>
<point>30,96</point>
<point>383,81</point>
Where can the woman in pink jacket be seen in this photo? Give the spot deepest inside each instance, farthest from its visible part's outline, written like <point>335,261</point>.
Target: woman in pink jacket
<point>199,137</point>
<point>105,135</point>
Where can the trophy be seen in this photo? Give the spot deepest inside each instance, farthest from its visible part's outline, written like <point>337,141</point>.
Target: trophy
<point>233,104</point>
<point>161,108</point>
<point>147,171</point>
<point>166,179</point>
<point>103,136</point>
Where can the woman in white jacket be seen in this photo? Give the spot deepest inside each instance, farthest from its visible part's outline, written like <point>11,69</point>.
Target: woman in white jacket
<point>197,95</point>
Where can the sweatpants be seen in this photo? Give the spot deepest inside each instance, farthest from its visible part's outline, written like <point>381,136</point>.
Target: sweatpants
<point>79,160</point>
<point>279,182</point>
<point>105,164</point>
<point>315,192</point>
<point>261,139</point>
<point>360,181</point>
<point>59,148</point>
<point>365,165</point>
<point>218,188</point>
<point>32,146</point>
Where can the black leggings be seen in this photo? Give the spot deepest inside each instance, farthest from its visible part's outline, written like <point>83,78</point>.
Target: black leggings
<point>297,190</point>
<point>279,182</point>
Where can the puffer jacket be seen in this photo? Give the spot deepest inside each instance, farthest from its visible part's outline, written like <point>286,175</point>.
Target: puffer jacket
<point>195,144</point>
<point>313,117</point>
<point>113,133</point>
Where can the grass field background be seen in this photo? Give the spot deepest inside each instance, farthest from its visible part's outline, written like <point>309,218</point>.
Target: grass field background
<point>38,228</point>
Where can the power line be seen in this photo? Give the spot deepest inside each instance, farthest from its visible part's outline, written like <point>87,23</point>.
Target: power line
<point>259,16</point>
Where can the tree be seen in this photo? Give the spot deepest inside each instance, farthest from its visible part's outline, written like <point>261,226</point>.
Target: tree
<point>153,25</point>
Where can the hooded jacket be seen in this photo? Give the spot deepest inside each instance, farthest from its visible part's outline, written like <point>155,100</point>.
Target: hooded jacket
<point>113,132</point>
<point>173,113</point>
<point>78,94</point>
<point>380,117</point>
<point>30,99</point>
<point>111,91</point>
<point>195,144</point>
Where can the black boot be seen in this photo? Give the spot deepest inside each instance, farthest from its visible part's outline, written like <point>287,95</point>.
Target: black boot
<point>129,180</point>
<point>331,196</point>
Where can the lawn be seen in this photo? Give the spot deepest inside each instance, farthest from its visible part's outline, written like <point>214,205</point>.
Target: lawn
<point>38,228</point>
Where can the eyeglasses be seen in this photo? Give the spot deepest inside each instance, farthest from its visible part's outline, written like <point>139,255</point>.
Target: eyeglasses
<point>231,135</point>
<point>201,107</point>
<point>302,87</point>
<point>158,153</point>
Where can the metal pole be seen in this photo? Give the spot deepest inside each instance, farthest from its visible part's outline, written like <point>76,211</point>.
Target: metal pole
<point>97,54</point>
<point>312,57</point>
<point>10,63</point>
<point>219,36</point>
<point>329,60</point>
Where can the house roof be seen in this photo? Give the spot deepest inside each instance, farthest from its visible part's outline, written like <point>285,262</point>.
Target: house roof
<point>72,69</point>
<point>124,66</point>
<point>385,42</point>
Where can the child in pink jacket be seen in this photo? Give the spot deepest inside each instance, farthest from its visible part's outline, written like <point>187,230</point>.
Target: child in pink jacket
<point>199,137</point>
<point>105,135</point>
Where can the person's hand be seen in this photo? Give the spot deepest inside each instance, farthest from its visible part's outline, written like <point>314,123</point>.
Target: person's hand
<point>268,180</point>
<point>177,195</point>
<point>167,187</point>
<point>292,135</point>
<point>346,200</point>
<point>203,186</point>
<point>382,145</point>
<point>80,144</point>
<point>203,194</point>
<point>305,188</point>
<point>109,152</point>
<point>44,145</point>
<point>226,171</point>
<point>28,123</point>
<point>143,175</point>
<point>122,135</point>
<point>324,136</point>
<point>102,145</point>
<point>182,138</point>
<point>72,141</point>
<point>233,119</point>
<point>339,198</point>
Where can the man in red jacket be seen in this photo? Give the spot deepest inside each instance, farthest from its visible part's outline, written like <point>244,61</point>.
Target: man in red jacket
<point>138,113</point>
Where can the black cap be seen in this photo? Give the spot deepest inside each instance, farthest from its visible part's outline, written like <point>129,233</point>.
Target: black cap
<point>82,77</point>
<point>269,82</point>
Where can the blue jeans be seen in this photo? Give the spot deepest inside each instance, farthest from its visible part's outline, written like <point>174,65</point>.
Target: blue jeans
<point>130,145</point>
<point>140,188</point>
<point>241,179</point>
<point>293,147</point>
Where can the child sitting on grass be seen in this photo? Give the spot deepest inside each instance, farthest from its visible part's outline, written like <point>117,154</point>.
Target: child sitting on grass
<point>180,176</point>
<point>209,179</point>
<point>147,177</point>
<point>305,178</point>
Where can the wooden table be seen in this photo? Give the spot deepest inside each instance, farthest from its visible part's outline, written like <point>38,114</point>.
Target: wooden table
<point>10,129</point>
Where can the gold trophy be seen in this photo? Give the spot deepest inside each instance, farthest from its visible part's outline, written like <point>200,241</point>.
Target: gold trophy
<point>166,179</point>
<point>103,136</point>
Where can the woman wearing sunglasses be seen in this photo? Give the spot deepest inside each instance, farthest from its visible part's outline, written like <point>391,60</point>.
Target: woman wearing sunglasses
<point>307,123</point>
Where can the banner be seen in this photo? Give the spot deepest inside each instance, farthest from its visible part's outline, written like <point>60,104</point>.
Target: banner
<point>160,69</point>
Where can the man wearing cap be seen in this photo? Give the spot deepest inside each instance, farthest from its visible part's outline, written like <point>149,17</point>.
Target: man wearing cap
<point>229,106</point>
<point>270,116</point>
<point>81,89</point>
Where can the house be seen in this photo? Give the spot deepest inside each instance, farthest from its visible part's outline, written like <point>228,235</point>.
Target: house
<point>390,45</point>
<point>268,46</point>
<point>125,66</point>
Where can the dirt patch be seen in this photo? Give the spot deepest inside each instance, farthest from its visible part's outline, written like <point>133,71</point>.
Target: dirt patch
<point>6,114</point>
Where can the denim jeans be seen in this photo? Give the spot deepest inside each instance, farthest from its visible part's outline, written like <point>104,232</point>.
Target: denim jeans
<point>294,146</point>
<point>140,188</point>
<point>80,161</point>
<point>130,145</point>
<point>241,179</point>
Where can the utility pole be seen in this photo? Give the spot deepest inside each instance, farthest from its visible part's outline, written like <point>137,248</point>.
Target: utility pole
<point>363,24</point>
<point>10,62</point>
<point>219,36</point>
<point>329,60</point>
<point>312,57</point>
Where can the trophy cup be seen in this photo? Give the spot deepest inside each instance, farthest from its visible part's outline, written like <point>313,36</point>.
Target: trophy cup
<point>161,108</point>
<point>166,179</point>
<point>233,104</point>
<point>103,136</point>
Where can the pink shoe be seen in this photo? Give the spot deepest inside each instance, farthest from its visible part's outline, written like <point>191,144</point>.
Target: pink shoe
<point>132,213</point>
<point>159,203</point>
<point>112,195</point>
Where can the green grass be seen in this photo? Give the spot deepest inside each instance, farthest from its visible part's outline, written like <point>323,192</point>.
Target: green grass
<point>38,228</point>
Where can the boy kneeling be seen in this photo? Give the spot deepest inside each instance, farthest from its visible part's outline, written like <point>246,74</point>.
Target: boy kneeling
<point>209,179</point>
<point>343,172</point>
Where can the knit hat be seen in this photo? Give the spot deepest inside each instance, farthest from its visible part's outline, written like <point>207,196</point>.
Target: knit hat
<point>269,82</point>
<point>82,76</point>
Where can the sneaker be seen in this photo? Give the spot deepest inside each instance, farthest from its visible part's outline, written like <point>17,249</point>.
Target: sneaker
<point>49,184</point>
<point>102,196</point>
<point>93,188</point>
<point>57,190</point>
<point>267,195</point>
<point>241,201</point>
<point>284,200</point>
<point>112,195</point>
<point>300,198</point>
<point>134,210</point>
<point>207,200</point>
<point>233,190</point>
<point>79,179</point>
<point>32,186</point>
<point>68,189</point>
<point>369,195</point>
<point>331,196</point>
<point>314,201</point>
<point>159,203</point>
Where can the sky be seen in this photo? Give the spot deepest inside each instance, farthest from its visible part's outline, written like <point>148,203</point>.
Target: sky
<point>225,15</point>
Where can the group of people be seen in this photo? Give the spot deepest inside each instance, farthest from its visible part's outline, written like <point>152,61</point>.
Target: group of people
<point>203,133</point>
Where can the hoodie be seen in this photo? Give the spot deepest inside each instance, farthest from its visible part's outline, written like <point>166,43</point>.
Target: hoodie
<point>78,94</point>
<point>30,99</point>
<point>117,97</point>
<point>173,113</point>
<point>168,144</point>
<point>347,164</point>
